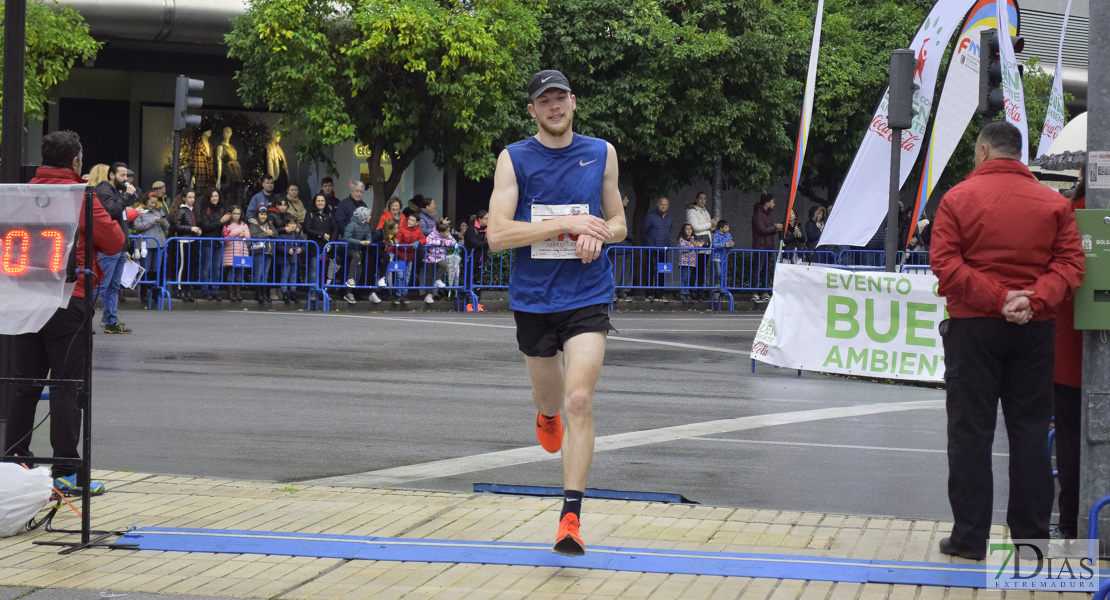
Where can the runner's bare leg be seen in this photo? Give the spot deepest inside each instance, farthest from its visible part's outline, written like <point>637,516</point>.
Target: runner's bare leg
<point>547,383</point>
<point>583,355</point>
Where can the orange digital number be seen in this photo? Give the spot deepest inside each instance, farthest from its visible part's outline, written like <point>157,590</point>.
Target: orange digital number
<point>16,265</point>
<point>56,249</point>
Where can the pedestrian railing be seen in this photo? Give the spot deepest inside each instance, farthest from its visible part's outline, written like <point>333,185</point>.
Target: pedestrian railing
<point>389,273</point>
<point>149,257</point>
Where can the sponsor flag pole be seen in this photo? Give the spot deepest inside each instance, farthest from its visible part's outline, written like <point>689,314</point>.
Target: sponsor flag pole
<point>1054,118</point>
<point>807,113</point>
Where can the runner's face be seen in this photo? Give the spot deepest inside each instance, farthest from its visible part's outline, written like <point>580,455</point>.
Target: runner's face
<point>553,111</point>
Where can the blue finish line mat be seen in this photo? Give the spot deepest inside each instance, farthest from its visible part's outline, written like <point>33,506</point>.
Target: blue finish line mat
<point>642,560</point>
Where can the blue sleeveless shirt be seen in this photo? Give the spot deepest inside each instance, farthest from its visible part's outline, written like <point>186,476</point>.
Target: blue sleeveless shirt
<point>570,175</point>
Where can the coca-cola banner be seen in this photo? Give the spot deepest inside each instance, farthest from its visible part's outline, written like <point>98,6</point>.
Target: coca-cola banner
<point>959,96</point>
<point>1054,120</point>
<point>866,323</point>
<point>862,202</point>
<point>1012,89</point>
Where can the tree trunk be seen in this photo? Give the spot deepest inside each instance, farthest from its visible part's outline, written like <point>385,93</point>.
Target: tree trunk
<point>716,183</point>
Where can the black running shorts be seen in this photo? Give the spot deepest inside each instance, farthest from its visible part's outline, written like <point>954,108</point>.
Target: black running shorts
<point>541,335</point>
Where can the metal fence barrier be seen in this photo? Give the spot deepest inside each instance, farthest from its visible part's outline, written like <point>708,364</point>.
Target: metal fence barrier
<point>150,258</point>
<point>192,262</point>
<point>391,272</point>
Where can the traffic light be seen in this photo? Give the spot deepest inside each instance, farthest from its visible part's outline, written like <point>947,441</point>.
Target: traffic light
<point>991,99</point>
<point>900,111</point>
<point>182,102</point>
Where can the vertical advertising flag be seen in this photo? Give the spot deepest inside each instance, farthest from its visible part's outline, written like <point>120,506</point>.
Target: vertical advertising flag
<point>1054,120</point>
<point>959,96</point>
<point>863,200</point>
<point>1012,89</point>
<point>807,110</point>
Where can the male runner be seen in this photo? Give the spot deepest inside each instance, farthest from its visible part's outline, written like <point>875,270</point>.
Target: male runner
<point>555,200</point>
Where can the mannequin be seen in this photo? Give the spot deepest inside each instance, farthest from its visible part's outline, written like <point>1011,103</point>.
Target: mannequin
<point>276,164</point>
<point>201,161</point>
<point>229,175</point>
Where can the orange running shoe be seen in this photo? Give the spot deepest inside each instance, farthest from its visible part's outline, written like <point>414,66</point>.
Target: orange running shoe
<point>550,432</point>
<point>481,308</point>
<point>469,308</point>
<point>567,541</point>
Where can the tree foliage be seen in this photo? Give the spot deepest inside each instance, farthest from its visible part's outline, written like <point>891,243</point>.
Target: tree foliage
<point>401,77</point>
<point>56,39</point>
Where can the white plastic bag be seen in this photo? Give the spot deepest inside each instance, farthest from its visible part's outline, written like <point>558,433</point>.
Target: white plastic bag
<point>23,493</point>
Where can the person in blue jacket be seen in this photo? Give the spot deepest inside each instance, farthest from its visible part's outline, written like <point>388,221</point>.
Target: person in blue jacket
<point>656,231</point>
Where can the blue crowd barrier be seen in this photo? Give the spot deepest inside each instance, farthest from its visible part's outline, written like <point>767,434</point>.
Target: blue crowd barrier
<point>392,272</point>
<point>150,285</point>
<point>303,265</point>
<point>272,262</point>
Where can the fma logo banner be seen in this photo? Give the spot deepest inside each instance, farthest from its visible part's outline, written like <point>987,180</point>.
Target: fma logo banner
<point>1042,565</point>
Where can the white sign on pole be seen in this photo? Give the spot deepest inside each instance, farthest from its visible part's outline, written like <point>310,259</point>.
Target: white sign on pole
<point>867,323</point>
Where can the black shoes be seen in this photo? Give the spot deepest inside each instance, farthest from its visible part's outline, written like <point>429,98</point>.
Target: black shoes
<point>947,547</point>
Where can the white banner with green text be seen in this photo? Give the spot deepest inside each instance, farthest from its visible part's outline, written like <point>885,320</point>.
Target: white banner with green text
<point>867,323</point>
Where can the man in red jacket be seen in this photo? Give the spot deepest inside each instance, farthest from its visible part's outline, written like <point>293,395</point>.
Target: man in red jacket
<point>1006,251</point>
<point>57,348</point>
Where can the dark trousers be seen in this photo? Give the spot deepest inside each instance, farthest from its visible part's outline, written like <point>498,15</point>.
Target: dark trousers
<point>985,360</point>
<point>59,349</point>
<point>1068,415</point>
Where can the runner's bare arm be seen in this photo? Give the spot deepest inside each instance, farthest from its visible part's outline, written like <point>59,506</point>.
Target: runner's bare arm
<point>505,232</point>
<point>611,205</point>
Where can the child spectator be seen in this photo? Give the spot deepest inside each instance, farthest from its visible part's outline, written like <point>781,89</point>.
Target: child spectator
<point>435,253</point>
<point>722,243</point>
<point>235,232</point>
<point>409,237</point>
<point>460,233</point>
<point>358,236</point>
<point>687,259</point>
<point>153,225</point>
<point>263,253</point>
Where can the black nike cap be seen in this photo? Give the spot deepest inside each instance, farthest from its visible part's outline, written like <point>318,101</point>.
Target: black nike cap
<point>545,80</point>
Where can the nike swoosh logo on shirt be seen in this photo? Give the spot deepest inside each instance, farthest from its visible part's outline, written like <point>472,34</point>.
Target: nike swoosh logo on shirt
<point>582,164</point>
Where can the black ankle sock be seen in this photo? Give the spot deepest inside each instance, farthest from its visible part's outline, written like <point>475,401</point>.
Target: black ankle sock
<point>572,503</point>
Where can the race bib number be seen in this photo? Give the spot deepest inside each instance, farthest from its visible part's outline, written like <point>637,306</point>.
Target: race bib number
<point>564,244</point>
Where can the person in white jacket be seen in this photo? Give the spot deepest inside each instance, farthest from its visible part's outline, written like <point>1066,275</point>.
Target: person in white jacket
<point>698,217</point>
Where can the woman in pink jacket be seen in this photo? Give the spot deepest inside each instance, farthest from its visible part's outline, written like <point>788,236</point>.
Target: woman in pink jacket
<point>235,231</point>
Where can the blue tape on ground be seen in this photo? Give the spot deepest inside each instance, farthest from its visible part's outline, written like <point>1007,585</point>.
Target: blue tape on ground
<point>532,490</point>
<point>643,560</point>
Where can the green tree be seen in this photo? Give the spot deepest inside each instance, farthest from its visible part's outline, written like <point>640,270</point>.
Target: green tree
<point>674,86</point>
<point>56,39</point>
<point>402,77</point>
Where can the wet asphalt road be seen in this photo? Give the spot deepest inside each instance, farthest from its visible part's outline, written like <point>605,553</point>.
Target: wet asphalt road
<point>297,396</point>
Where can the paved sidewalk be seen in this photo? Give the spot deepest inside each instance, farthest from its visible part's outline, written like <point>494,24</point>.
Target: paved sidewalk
<point>161,501</point>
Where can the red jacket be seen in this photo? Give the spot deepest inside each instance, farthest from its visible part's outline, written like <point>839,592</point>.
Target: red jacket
<point>1069,342</point>
<point>107,236</point>
<point>1001,230</point>
<point>405,235</point>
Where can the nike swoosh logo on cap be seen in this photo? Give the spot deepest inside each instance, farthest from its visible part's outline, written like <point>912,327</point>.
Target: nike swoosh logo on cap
<point>582,164</point>
<point>544,80</point>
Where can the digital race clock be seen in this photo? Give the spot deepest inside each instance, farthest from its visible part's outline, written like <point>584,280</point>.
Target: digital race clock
<point>38,230</point>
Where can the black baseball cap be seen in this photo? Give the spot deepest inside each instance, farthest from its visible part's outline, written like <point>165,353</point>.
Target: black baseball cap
<point>545,80</point>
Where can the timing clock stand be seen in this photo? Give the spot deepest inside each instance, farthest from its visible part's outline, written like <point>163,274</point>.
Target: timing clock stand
<point>84,397</point>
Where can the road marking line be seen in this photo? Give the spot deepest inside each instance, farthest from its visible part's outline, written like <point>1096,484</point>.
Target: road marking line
<point>491,325</point>
<point>518,456</point>
<point>844,446</point>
